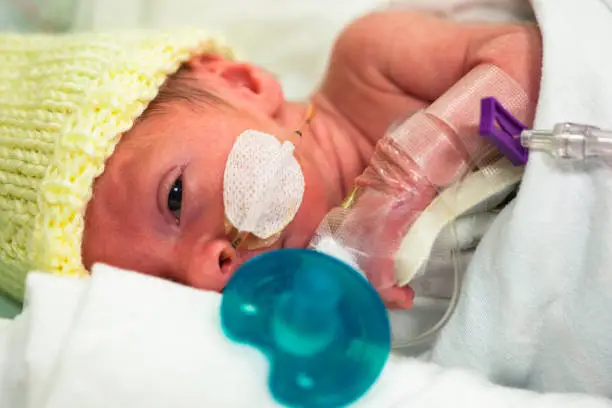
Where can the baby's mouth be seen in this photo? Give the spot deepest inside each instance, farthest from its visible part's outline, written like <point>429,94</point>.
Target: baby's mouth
<point>245,254</point>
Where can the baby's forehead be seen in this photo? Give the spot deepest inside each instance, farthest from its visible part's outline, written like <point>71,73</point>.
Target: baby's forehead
<point>172,125</point>
<point>172,135</point>
<point>180,126</point>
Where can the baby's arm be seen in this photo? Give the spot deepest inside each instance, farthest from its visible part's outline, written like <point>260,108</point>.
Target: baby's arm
<point>395,63</point>
<point>413,58</point>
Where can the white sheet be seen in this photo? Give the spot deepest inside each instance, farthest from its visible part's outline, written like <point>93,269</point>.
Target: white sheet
<point>124,340</point>
<point>472,10</point>
<point>537,299</point>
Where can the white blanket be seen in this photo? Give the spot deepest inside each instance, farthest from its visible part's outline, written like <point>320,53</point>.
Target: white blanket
<point>536,307</point>
<point>124,340</point>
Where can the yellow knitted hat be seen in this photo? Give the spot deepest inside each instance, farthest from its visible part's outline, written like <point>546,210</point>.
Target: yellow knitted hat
<point>64,103</point>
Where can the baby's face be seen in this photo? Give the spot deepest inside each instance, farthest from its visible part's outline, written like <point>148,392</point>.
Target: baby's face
<point>158,207</point>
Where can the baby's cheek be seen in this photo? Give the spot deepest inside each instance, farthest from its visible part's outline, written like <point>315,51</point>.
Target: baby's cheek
<point>315,205</point>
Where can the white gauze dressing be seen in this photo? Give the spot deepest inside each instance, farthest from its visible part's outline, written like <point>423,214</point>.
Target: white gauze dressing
<point>263,184</point>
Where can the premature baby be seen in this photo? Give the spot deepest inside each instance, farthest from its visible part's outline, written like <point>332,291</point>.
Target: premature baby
<point>157,207</point>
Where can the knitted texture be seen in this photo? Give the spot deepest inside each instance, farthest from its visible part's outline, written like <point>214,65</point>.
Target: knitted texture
<point>64,103</point>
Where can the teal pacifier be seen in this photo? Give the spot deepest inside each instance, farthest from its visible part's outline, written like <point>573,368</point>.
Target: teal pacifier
<point>321,324</point>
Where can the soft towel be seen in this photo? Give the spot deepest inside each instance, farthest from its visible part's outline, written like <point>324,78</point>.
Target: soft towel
<point>536,304</point>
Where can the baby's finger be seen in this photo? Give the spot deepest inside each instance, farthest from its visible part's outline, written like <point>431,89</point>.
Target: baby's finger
<point>398,297</point>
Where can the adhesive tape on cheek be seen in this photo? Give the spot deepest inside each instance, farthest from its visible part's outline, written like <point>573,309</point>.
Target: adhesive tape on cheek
<point>263,184</point>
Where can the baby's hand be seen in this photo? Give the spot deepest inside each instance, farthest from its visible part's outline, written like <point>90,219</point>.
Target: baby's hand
<point>373,229</point>
<point>397,297</point>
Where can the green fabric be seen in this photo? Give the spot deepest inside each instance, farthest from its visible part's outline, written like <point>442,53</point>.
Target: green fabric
<point>8,307</point>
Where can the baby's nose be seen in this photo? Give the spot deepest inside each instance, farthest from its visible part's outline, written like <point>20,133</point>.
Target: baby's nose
<point>212,265</point>
<point>228,260</point>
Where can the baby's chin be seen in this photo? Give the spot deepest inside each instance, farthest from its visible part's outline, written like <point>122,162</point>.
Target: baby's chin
<point>300,232</point>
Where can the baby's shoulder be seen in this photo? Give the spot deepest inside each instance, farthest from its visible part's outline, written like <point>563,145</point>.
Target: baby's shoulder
<point>357,81</point>
<point>372,39</point>
<point>388,64</point>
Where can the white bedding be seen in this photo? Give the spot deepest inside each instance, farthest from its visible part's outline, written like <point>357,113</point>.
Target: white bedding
<point>536,307</point>
<point>126,340</point>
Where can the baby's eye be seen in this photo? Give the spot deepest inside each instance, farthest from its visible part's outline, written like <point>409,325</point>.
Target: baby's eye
<point>175,198</point>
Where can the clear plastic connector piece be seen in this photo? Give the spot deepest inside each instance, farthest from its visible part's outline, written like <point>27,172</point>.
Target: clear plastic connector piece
<point>570,141</point>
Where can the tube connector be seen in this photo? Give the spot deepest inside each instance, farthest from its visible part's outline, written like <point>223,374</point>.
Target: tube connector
<point>570,141</point>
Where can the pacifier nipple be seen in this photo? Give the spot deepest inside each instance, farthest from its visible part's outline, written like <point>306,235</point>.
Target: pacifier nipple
<point>263,184</point>
<point>306,319</point>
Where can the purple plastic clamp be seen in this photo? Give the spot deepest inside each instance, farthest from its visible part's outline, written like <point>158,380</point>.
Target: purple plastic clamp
<point>505,136</point>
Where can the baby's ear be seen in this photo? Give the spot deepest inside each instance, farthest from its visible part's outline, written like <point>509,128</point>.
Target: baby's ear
<point>247,81</point>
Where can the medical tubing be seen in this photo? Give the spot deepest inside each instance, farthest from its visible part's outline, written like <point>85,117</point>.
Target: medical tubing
<point>452,305</point>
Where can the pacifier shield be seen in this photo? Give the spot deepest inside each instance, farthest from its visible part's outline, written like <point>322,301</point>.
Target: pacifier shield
<point>322,325</point>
